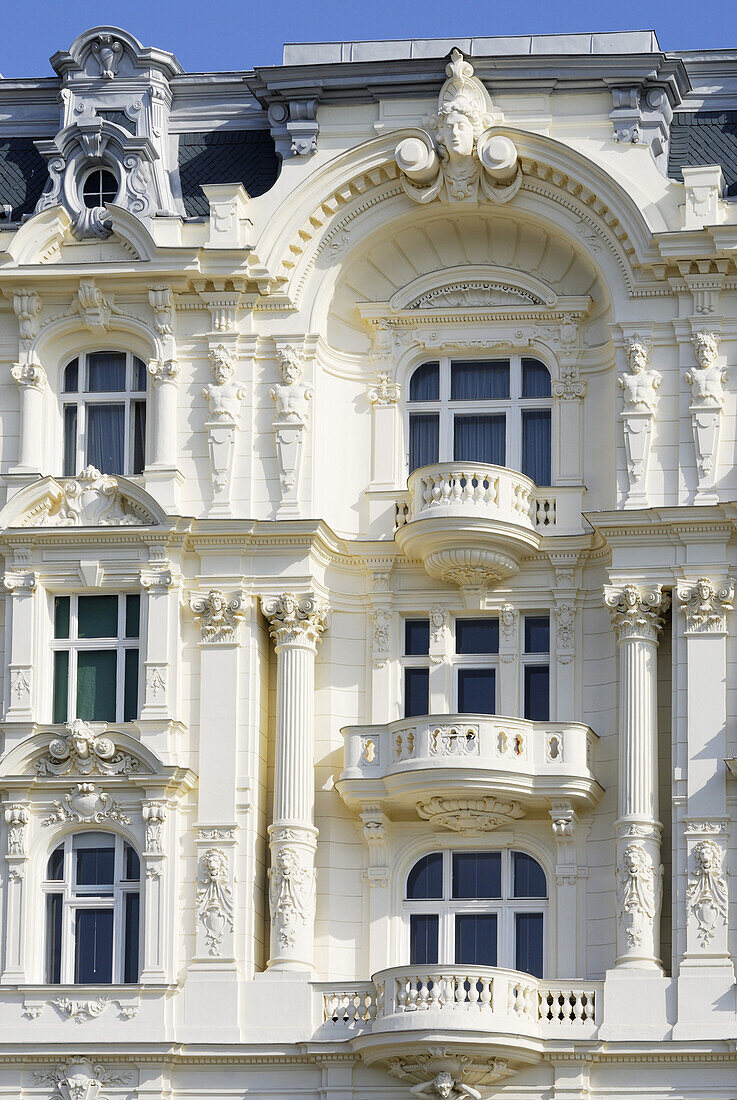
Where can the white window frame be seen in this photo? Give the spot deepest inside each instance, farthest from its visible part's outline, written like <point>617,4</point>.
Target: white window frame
<point>505,909</point>
<point>539,659</point>
<point>419,660</point>
<point>72,902</point>
<point>74,645</point>
<point>511,407</point>
<point>82,399</point>
<point>458,661</point>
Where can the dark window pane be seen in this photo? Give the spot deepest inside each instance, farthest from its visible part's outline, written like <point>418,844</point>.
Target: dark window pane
<point>476,691</point>
<point>96,697</point>
<point>139,436</point>
<point>416,637</point>
<point>130,938</point>
<point>70,440</point>
<point>55,865</point>
<point>536,445</point>
<point>61,616</point>
<point>416,691</point>
<point>105,438</point>
<point>61,687</point>
<point>479,381</point>
<point>132,616</point>
<point>480,439</point>
<point>71,377</point>
<point>100,187</point>
<point>537,693</point>
<point>424,385</point>
<point>477,635</point>
<point>93,946</point>
<point>130,686</point>
<point>528,935</point>
<point>98,617</point>
<point>54,910</point>
<point>529,877</point>
<point>425,880</point>
<point>106,372</point>
<point>477,874</point>
<point>535,379</point>
<point>537,634</point>
<point>138,381</point>
<point>423,939</point>
<point>475,935</point>
<point>424,433</point>
<point>95,867</point>
<point>131,865</point>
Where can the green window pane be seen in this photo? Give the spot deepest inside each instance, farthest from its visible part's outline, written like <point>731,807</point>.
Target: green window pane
<point>132,616</point>
<point>61,617</point>
<point>96,671</point>
<point>98,617</point>
<point>61,686</point>
<point>130,694</point>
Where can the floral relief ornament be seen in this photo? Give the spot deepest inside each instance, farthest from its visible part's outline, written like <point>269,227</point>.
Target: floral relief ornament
<point>214,898</point>
<point>705,606</point>
<point>218,616</point>
<point>80,1079</point>
<point>384,392</point>
<point>291,893</point>
<point>86,803</point>
<point>16,818</point>
<point>706,891</point>
<point>458,158</point>
<point>82,750</point>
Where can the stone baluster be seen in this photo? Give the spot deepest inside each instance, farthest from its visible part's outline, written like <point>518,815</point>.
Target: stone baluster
<point>637,616</point>
<point>296,625</point>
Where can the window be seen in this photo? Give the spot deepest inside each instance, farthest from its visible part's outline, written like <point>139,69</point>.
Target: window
<point>475,661</point>
<point>416,672</point>
<point>92,897</point>
<point>536,667</point>
<point>95,648</point>
<point>483,908</point>
<point>104,411</point>
<point>100,186</point>
<point>493,411</point>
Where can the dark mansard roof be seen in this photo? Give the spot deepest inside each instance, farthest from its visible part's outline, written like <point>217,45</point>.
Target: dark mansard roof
<point>704,137</point>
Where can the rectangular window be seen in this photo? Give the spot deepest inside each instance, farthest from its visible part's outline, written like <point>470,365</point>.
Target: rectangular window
<point>424,439</point>
<point>477,874</point>
<point>476,650</point>
<point>416,691</point>
<point>96,658</point>
<point>475,939</point>
<point>423,939</point>
<point>477,636</point>
<point>536,445</point>
<point>54,910</point>
<point>93,942</point>
<point>104,413</point>
<point>479,380</point>
<point>480,439</point>
<point>528,937</point>
<point>130,938</point>
<point>106,438</point>
<point>416,637</point>
<point>476,691</point>
<point>536,668</point>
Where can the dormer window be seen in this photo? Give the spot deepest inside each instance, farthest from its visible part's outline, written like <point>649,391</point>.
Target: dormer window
<point>100,186</point>
<point>104,408</point>
<point>491,411</point>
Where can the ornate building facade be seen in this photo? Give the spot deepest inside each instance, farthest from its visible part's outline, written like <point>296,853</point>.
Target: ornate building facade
<point>368,444</point>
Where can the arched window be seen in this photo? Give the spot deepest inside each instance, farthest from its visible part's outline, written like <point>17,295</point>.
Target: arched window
<point>495,411</point>
<point>104,399</point>
<point>484,908</point>
<point>92,893</point>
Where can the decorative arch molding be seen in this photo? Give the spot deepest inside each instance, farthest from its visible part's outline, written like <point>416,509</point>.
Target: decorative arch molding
<point>32,757</point>
<point>359,180</point>
<point>64,335</point>
<point>473,286</point>
<point>42,238</point>
<point>91,499</point>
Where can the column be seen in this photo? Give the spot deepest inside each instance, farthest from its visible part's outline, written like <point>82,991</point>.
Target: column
<point>31,381</point>
<point>706,994</point>
<point>637,617</point>
<point>162,477</point>
<point>155,926</point>
<point>296,625</point>
<point>17,817</point>
<point>21,584</point>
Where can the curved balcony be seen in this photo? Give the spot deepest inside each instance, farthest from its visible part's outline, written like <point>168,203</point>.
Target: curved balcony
<point>424,764</point>
<point>503,1012</point>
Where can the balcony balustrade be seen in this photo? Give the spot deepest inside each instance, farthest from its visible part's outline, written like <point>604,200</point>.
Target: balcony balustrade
<point>425,762</point>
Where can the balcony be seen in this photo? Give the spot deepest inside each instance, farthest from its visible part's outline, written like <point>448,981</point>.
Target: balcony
<point>502,1012</point>
<point>454,768</point>
<point>471,524</point>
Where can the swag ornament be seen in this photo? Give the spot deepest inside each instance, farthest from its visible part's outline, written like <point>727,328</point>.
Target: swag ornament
<point>458,158</point>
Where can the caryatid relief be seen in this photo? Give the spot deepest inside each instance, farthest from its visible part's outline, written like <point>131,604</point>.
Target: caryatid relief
<point>707,380</point>
<point>460,158</point>
<point>225,395</point>
<point>640,385</point>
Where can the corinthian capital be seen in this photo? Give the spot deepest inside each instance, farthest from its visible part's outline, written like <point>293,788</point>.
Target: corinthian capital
<point>706,606</point>
<point>295,620</point>
<point>29,376</point>
<point>636,610</point>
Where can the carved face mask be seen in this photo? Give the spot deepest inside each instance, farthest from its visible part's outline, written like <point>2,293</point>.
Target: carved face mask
<point>458,134</point>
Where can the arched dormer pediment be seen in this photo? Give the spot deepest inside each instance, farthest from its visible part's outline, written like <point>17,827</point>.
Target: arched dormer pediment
<point>91,499</point>
<point>79,750</point>
<point>48,238</point>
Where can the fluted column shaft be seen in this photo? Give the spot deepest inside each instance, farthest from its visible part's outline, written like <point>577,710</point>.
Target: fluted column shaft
<point>296,625</point>
<point>637,617</point>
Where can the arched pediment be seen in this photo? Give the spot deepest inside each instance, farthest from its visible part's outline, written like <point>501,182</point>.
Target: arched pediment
<point>473,286</point>
<point>81,749</point>
<point>91,499</point>
<point>48,238</point>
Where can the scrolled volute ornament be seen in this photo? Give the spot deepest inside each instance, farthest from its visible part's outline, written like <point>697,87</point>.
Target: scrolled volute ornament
<point>636,611</point>
<point>294,619</point>
<point>705,605</point>
<point>218,616</point>
<point>458,158</point>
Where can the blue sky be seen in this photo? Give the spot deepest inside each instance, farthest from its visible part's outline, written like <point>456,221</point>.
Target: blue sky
<point>236,34</point>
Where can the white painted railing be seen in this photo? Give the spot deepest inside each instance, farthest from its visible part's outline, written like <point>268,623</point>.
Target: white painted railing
<point>480,998</point>
<point>489,742</point>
